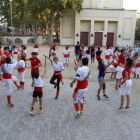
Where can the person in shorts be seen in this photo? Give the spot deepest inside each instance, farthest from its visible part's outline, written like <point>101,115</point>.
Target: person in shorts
<point>38,91</point>
<point>101,79</point>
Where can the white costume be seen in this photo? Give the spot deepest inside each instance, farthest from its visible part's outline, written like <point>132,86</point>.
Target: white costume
<point>37,52</point>
<point>82,75</point>
<point>112,68</point>
<point>137,67</point>
<point>15,53</point>
<point>66,56</point>
<point>53,53</point>
<point>108,53</point>
<point>21,71</point>
<point>7,75</point>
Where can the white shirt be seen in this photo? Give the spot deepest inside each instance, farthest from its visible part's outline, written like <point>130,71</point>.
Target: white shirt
<point>58,66</point>
<point>137,61</point>
<point>21,64</point>
<point>108,52</point>
<point>52,51</point>
<point>9,47</point>
<point>38,82</point>
<point>66,51</point>
<point>69,50</point>
<point>8,68</point>
<point>36,49</point>
<point>82,73</point>
<point>24,51</point>
<point>15,49</point>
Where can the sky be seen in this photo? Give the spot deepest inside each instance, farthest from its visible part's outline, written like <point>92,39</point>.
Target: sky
<point>132,4</point>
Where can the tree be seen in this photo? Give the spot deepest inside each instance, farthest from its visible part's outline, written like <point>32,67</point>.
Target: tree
<point>137,31</point>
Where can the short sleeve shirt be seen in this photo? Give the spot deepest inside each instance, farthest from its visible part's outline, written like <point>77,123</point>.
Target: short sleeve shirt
<point>122,59</point>
<point>129,70</point>
<point>34,62</point>
<point>101,71</point>
<point>77,47</point>
<point>137,50</point>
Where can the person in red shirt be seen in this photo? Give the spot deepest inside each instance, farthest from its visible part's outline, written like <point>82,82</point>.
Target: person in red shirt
<point>120,68</point>
<point>6,52</point>
<point>35,63</point>
<point>125,86</point>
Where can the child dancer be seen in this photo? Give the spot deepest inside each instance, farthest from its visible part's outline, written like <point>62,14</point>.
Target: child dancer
<point>36,49</point>
<point>81,53</point>
<point>66,56</point>
<point>38,91</point>
<point>108,52</point>
<point>58,69</point>
<point>53,52</point>
<point>113,67</point>
<point>15,52</point>
<point>21,69</point>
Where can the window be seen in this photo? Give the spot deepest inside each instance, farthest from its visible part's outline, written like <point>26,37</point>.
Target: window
<point>99,3</point>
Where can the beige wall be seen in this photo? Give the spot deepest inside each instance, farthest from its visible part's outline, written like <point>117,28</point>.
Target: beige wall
<point>121,22</point>
<point>106,3</point>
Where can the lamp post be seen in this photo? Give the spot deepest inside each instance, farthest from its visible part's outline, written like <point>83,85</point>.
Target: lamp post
<point>11,20</point>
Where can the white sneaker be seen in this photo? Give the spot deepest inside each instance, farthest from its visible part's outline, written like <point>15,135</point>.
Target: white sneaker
<point>31,113</point>
<point>40,111</point>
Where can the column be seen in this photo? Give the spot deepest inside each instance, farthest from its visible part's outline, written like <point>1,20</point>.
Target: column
<point>105,32</point>
<point>92,32</point>
<point>77,27</point>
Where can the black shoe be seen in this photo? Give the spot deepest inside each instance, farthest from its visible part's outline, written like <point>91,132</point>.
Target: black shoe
<point>105,96</point>
<point>83,101</point>
<point>56,97</point>
<point>98,97</point>
<point>55,86</point>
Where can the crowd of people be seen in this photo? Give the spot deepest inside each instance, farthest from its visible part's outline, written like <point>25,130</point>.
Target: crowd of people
<point>121,62</point>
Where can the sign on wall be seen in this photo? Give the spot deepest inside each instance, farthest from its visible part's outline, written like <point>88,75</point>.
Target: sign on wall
<point>99,3</point>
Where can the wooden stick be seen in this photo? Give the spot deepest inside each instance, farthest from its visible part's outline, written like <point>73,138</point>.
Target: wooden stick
<point>47,57</point>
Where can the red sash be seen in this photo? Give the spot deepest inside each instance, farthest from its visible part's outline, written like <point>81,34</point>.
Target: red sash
<point>60,75</point>
<point>98,56</point>
<point>81,85</point>
<point>53,54</point>
<point>38,89</point>
<point>138,65</point>
<point>114,57</point>
<point>15,52</point>
<point>107,56</point>
<point>5,76</point>
<point>37,53</point>
<point>92,51</point>
<point>66,55</point>
<point>21,70</point>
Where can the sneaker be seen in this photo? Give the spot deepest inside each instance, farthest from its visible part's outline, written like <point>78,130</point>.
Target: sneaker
<point>55,86</point>
<point>116,89</point>
<point>40,111</point>
<point>134,77</point>
<point>10,104</point>
<point>105,96</point>
<point>31,113</point>
<point>98,97</point>
<point>56,97</point>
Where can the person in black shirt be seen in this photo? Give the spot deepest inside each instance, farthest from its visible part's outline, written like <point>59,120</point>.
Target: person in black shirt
<point>92,54</point>
<point>98,54</point>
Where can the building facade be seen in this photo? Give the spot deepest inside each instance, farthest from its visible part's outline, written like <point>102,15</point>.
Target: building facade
<point>101,22</point>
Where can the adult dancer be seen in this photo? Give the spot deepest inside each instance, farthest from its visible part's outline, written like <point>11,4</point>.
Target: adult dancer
<point>92,54</point>
<point>6,52</point>
<point>108,53</point>
<point>101,79</point>
<point>113,67</point>
<point>21,69</point>
<point>58,69</point>
<point>82,76</point>
<point>66,56</point>
<point>38,90</point>
<point>7,69</point>
<point>125,86</point>
<point>120,68</point>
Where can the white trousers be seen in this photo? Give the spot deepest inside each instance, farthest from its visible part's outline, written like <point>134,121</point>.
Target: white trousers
<point>52,57</point>
<point>126,87</point>
<point>9,84</point>
<point>66,60</point>
<point>87,56</point>
<point>112,68</point>
<point>37,56</point>
<point>107,61</point>
<point>79,95</point>
<point>21,76</point>
<point>15,56</point>
<point>119,72</point>
<point>136,70</point>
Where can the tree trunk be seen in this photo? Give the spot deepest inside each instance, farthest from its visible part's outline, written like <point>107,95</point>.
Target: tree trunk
<point>34,27</point>
<point>24,30</point>
<point>52,23</point>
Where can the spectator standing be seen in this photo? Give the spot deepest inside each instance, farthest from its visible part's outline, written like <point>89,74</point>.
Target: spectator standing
<point>137,50</point>
<point>77,51</point>
<point>10,49</point>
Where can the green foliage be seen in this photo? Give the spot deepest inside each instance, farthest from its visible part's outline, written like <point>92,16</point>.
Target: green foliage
<point>137,32</point>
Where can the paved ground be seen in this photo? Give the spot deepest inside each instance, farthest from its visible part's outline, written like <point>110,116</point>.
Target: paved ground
<point>101,120</point>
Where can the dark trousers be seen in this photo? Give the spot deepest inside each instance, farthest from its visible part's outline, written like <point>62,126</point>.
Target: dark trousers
<point>54,77</point>
<point>10,51</point>
<point>49,54</point>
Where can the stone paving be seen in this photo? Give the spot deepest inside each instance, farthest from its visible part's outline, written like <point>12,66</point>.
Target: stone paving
<point>101,120</point>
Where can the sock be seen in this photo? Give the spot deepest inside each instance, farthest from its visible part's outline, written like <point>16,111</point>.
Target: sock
<point>57,92</point>
<point>81,106</point>
<point>32,108</point>
<point>76,107</point>
<point>15,83</point>
<point>138,76</point>
<point>40,108</point>
<point>55,83</point>
<point>9,99</point>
